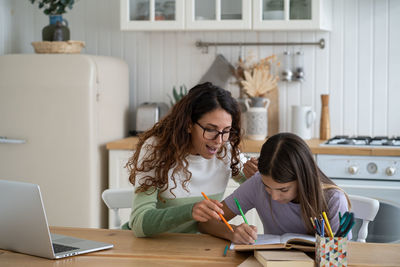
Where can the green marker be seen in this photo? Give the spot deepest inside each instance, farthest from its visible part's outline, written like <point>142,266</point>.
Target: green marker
<point>240,209</point>
<point>241,212</point>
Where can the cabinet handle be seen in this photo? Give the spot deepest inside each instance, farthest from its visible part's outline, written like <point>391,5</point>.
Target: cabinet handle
<point>5,140</point>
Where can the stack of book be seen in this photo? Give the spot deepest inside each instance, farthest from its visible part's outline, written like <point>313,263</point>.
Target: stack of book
<point>279,251</point>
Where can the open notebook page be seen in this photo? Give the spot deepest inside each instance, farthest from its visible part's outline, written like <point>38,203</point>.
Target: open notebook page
<point>277,239</point>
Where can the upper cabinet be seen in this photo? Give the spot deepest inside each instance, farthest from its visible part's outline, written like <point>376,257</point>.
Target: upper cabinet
<point>292,14</point>
<point>152,15</point>
<point>218,14</point>
<point>226,15</point>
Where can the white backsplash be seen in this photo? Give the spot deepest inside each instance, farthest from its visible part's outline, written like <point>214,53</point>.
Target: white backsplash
<point>359,66</point>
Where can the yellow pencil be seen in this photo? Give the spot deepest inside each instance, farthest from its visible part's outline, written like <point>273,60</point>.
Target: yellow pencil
<point>327,224</point>
<point>220,215</point>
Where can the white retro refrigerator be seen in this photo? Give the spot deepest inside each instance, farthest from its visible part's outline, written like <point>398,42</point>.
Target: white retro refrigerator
<point>57,112</point>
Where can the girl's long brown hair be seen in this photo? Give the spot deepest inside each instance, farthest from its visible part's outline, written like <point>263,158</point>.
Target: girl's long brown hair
<point>172,141</point>
<point>286,158</point>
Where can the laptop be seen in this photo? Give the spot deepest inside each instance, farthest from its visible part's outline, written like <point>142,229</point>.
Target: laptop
<point>24,227</point>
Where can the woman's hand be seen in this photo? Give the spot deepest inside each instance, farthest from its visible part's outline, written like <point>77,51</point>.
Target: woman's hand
<point>205,210</point>
<point>250,167</point>
<point>244,234</point>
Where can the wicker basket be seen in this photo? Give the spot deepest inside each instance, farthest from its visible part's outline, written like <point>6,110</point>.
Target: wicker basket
<point>68,47</point>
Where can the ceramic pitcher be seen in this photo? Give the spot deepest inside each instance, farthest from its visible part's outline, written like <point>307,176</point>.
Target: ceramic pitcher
<point>302,119</point>
<point>257,120</point>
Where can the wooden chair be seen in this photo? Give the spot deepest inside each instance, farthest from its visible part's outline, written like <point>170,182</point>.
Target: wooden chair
<point>364,208</point>
<point>115,199</point>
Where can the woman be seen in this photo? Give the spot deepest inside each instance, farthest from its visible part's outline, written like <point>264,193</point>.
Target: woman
<point>288,190</point>
<point>193,149</point>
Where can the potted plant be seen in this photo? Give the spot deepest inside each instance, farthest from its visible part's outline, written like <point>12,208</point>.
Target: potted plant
<point>256,81</point>
<point>57,30</point>
<point>177,95</point>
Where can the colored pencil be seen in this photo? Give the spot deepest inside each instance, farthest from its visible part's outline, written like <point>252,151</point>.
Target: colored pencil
<point>220,215</point>
<point>225,250</point>
<point>327,224</point>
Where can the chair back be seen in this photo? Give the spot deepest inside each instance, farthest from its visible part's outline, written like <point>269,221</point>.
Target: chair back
<point>364,208</point>
<point>115,199</point>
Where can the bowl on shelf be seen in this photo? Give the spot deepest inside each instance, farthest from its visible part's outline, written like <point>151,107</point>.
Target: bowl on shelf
<point>67,47</point>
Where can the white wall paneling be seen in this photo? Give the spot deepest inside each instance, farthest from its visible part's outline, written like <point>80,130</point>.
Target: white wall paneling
<point>380,53</point>
<point>394,67</point>
<point>5,26</point>
<point>350,65</point>
<point>359,66</point>
<point>365,69</point>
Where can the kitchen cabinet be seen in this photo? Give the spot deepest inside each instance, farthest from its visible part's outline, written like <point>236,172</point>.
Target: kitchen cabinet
<point>226,15</point>
<point>118,177</point>
<point>218,14</point>
<point>147,15</point>
<point>292,14</point>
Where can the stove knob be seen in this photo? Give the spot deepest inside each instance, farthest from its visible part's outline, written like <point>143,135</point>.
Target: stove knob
<point>353,169</point>
<point>390,171</point>
<point>372,168</point>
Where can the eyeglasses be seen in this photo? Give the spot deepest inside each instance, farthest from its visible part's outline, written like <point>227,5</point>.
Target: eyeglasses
<point>212,134</point>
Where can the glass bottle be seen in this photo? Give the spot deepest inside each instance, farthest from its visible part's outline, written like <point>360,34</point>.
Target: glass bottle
<point>298,66</point>
<point>287,73</point>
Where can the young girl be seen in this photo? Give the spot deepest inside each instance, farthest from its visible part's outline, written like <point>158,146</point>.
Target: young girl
<point>193,149</point>
<point>287,191</point>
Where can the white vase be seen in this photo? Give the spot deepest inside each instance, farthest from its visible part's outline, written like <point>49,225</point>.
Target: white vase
<point>257,120</point>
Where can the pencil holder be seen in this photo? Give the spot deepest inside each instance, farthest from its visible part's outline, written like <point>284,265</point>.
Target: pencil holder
<point>331,251</point>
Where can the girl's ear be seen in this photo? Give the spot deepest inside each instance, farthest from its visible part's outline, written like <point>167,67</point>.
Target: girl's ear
<point>189,129</point>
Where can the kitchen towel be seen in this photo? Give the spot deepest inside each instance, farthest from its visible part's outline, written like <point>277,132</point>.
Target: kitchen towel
<point>219,72</point>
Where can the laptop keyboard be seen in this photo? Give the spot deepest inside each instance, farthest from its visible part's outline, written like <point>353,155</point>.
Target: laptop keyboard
<point>61,248</point>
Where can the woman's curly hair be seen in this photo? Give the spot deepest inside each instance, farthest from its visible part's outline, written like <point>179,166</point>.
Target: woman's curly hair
<point>172,140</point>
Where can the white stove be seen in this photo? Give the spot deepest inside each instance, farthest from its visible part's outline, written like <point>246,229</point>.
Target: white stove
<point>372,176</point>
<point>360,167</point>
<point>364,141</point>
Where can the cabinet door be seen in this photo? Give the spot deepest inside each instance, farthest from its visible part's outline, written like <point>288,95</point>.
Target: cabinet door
<point>118,176</point>
<point>152,15</point>
<point>218,14</point>
<point>292,14</point>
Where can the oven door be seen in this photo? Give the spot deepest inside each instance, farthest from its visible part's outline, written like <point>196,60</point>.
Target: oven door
<point>386,226</point>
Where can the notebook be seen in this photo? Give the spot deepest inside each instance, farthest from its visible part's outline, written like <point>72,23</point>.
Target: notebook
<point>24,227</point>
<point>286,241</point>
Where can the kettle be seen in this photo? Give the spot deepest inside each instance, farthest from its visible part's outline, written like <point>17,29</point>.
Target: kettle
<point>148,113</point>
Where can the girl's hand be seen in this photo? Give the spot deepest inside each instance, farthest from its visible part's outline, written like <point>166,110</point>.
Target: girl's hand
<point>250,167</point>
<point>244,234</point>
<point>207,209</point>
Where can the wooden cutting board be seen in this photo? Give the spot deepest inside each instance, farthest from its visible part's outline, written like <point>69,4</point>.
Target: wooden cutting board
<point>273,111</point>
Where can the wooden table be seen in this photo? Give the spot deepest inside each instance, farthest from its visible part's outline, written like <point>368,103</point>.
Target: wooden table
<point>178,250</point>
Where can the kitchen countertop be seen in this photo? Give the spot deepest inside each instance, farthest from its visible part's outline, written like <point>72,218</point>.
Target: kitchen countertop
<point>253,146</point>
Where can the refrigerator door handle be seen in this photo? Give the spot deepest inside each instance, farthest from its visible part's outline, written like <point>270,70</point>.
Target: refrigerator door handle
<point>5,140</point>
